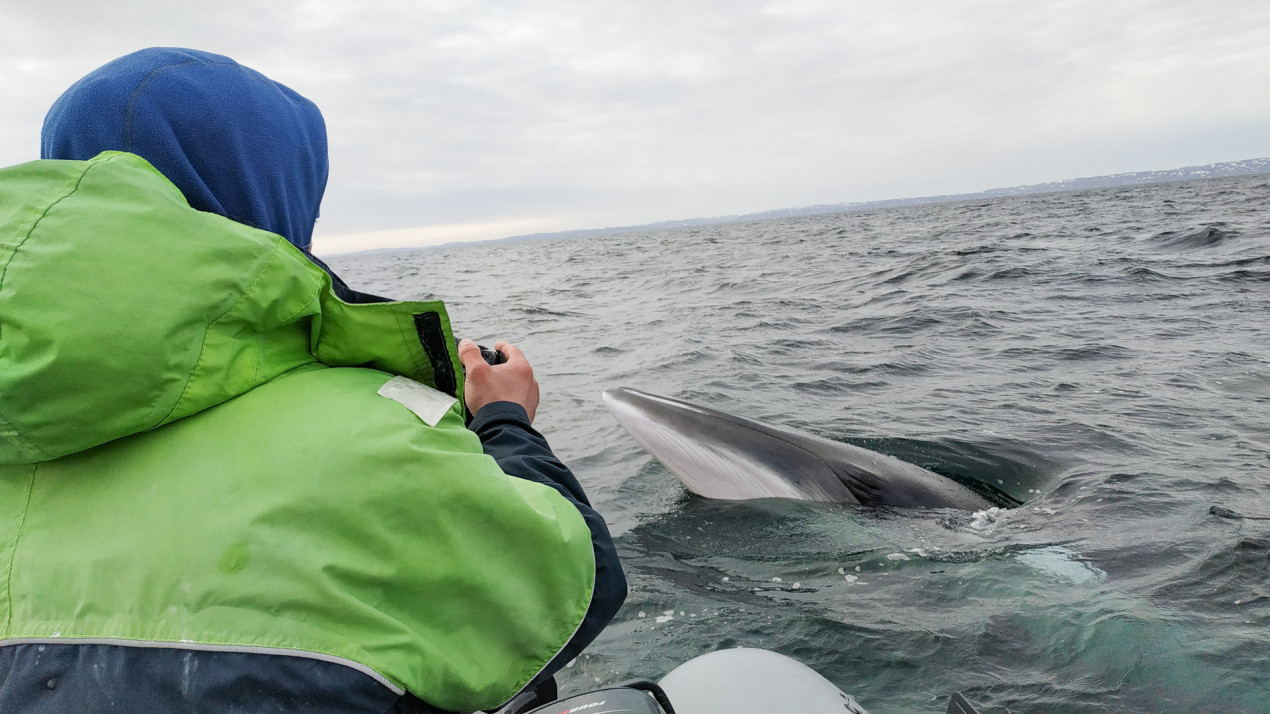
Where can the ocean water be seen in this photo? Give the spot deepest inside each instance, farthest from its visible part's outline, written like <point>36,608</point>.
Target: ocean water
<point>1101,356</point>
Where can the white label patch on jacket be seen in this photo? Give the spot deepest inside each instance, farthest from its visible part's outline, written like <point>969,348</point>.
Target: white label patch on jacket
<point>427,403</point>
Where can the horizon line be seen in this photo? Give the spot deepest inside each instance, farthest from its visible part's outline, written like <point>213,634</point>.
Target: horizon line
<point>1229,169</point>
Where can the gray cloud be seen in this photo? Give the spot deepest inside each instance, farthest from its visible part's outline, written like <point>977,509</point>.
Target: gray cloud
<point>605,112</point>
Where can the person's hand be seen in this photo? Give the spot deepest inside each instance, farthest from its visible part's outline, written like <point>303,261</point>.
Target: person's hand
<point>512,381</point>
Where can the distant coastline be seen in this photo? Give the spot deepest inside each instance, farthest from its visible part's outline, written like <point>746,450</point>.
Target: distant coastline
<point>1247,167</point>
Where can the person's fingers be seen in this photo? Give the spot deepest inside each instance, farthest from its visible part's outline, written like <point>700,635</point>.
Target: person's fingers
<point>470,355</point>
<point>512,352</point>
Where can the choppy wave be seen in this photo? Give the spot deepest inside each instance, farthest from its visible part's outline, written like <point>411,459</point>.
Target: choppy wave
<point>1103,355</point>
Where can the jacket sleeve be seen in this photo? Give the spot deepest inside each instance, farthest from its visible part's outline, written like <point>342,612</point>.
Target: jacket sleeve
<point>506,435</point>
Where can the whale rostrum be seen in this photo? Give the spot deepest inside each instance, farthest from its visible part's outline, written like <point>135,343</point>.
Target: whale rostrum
<point>724,456</point>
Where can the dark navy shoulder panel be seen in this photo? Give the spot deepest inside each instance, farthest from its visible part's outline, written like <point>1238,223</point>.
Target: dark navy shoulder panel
<point>115,679</point>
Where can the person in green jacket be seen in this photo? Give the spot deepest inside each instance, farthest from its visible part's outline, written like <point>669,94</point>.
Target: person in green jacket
<point>227,481</point>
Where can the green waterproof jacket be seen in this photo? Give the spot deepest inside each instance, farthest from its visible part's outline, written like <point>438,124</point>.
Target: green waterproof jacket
<point>194,453</point>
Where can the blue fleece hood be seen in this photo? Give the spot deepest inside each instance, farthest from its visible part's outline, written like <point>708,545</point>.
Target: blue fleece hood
<point>234,142</point>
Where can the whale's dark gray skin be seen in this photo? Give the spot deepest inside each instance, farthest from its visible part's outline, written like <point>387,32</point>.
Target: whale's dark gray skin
<point>720,455</point>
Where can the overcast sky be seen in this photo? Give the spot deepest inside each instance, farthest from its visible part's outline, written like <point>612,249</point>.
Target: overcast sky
<point>473,119</point>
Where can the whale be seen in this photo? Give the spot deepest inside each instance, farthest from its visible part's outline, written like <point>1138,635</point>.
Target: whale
<point>724,456</point>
